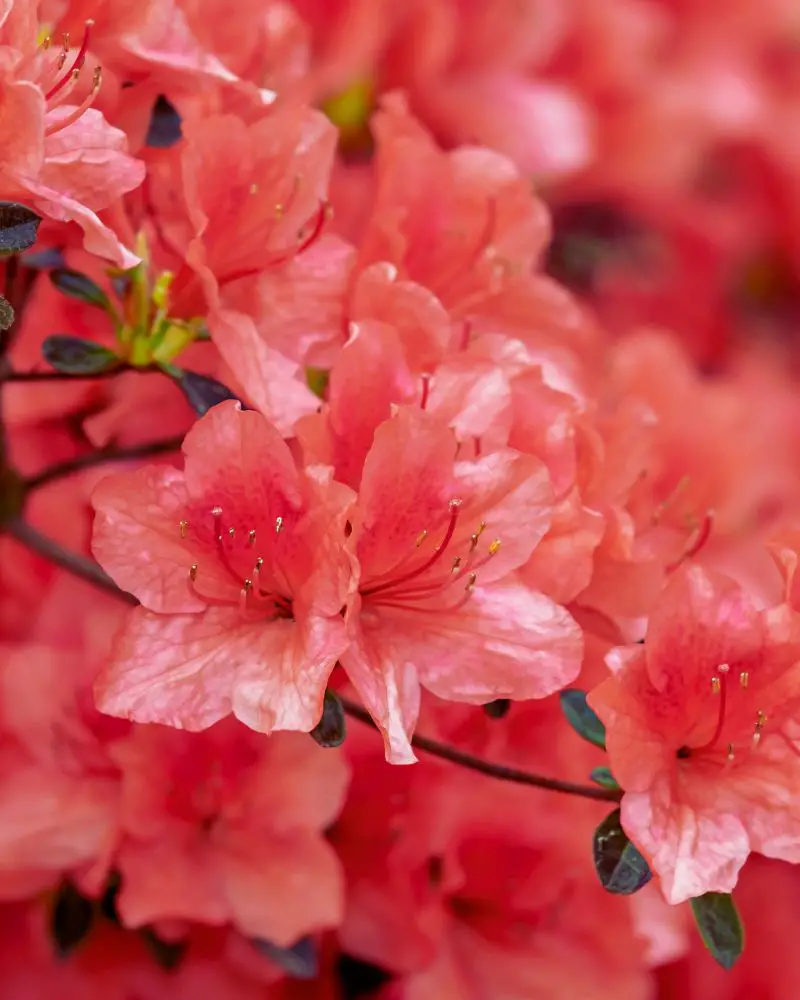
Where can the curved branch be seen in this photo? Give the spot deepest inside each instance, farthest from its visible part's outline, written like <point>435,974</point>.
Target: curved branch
<point>101,457</point>
<point>499,771</point>
<point>72,562</point>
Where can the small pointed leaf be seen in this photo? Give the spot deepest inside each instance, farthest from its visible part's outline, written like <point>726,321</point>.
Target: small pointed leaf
<point>603,777</point>
<point>619,865</point>
<point>298,961</point>
<point>77,356</point>
<point>582,718</point>
<point>79,286</point>
<point>202,391</point>
<point>331,729</point>
<point>720,927</point>
<point>18,227</point>
<point>165,125</point>
<point>71,919</point>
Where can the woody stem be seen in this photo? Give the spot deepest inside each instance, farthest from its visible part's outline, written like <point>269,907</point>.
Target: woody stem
<point>499,771</point>
<point>62,469</point>
<point>88,570</point>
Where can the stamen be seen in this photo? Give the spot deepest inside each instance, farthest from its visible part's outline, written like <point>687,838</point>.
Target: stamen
<point>494,548</point>
<point>761,721</point>
<point>731,753</point>
<point>245,593</point>
<point>701,537</point>
<point>80,59</point>
<point>453,507</point>
<point>231,532</point>
<point>665,504</point>
<point>193,572</point>
<point>278,525</point>
<point>73,116</point>
<point>184,526</point>
<point>421,537</point>
<point>251,537</point>
<point>716,685</point>
<point>744,679</point>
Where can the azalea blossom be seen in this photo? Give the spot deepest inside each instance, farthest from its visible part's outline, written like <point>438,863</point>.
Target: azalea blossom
<point>241,577</point>
<point>701,733</point>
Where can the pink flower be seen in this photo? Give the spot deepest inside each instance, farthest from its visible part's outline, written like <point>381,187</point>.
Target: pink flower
<point>238,564</point>
<point>701,733</point>
<point>224,826</point>
<point>437,542</point>
<point>64,158</point>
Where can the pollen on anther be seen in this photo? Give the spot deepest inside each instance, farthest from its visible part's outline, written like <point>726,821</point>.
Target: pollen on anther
<point>184,526</point>
<point>278,525</point>
<point>716,685</point>
<point>494,548</point>
<point>193,571</point>
<point>744,679</point>
<point>421,537</point>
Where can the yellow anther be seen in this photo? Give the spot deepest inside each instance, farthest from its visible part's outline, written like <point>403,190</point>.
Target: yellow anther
<point>716,685</point>
<point>421,537</point>
<point>184,526</point>
<point>494,548</point>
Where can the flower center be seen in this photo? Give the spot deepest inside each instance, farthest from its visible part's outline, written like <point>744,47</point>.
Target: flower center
<point>413,588</point>
<point>734,729</point>
<point>264,590</point>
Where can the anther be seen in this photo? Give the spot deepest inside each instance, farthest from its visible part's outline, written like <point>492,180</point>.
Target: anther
<point>193,572</point>
<point>278,525</point>
<point>731,752</point>
<point>716,685</point>
<point>471,581</point>
<point>456,564</point>
<point>494,548</point>
<point>744,679</point>
<point>231,532</point>
<point>251,537</point>
<point>426,390</point>
<point>184,526</point>
<point>259,563</point>
<point>279,211</point>
<point>421,537</point>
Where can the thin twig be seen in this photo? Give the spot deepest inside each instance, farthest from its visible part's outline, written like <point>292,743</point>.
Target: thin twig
<point>88,570</point>
<point>74,563</point>
<point>499,771</point>
<point>101,457</point>
<point>55,376</point>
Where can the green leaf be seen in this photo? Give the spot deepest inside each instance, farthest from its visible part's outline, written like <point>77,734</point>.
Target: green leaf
<point>602,776</point>
<point>298,961</point>
<point>720,926</point>
<point>317,381</point>
<point>76,356</point>
<point>582,718</point>
<point>79,286</point>
<point>201,391</point>
<point>18,227</point>
<point>619,865</point>
<point>331,729</point>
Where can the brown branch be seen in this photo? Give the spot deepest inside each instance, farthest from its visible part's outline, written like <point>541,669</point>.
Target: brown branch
<point>101,457</point>
<point>72,562</point>
<point>498,771</point>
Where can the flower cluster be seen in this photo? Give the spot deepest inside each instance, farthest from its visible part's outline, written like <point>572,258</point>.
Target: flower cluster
<point>399,386</point>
